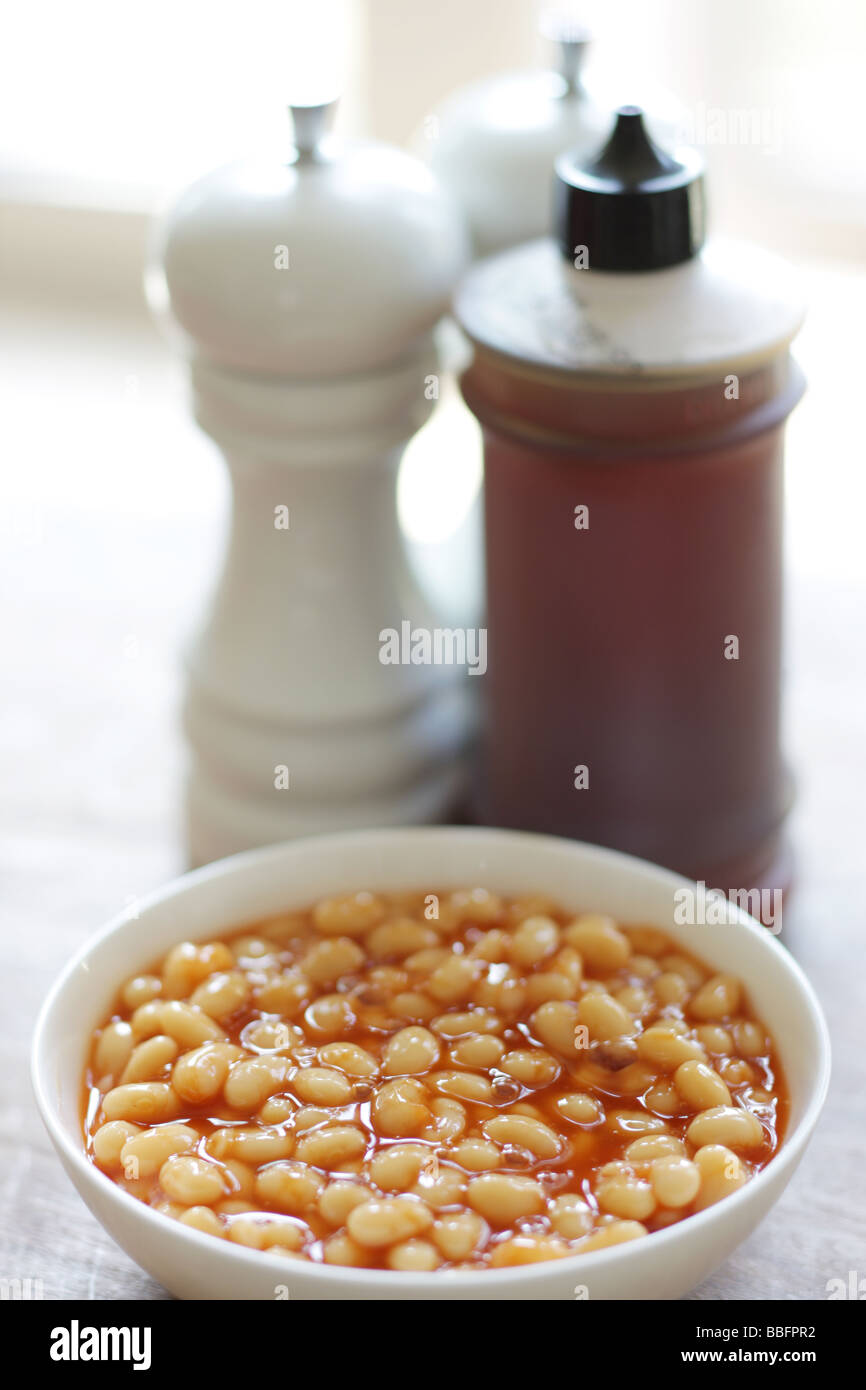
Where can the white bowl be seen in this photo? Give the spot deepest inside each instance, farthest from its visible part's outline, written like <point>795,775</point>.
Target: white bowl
<point>236,891</point>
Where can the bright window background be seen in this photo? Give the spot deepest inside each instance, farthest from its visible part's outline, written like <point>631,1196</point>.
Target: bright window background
<point>105,108</point>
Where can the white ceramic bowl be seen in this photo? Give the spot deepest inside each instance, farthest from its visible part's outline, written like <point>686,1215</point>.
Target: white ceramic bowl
<point>250,886</point>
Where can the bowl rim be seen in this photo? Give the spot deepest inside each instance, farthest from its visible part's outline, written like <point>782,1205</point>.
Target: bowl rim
<point>375,1281</point>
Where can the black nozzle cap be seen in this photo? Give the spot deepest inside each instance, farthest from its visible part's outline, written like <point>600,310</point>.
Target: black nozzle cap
<point>633,206</point>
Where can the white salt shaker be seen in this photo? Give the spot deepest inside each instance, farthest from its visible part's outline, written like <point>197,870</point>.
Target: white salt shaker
<point>494,142</point>
<point>306,292</point>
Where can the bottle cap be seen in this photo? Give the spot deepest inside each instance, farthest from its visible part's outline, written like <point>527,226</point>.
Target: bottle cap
<point>633,206</point>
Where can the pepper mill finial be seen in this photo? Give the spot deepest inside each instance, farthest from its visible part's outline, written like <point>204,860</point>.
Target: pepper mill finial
<point>310,124</point>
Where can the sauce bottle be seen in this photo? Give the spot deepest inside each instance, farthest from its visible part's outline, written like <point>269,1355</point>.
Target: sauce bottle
<point>632,385</point>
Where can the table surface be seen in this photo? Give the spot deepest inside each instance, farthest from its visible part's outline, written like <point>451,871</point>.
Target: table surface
<point>112,533</point>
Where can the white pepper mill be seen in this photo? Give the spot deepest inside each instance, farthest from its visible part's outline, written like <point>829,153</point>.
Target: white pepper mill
<point>306,292</point>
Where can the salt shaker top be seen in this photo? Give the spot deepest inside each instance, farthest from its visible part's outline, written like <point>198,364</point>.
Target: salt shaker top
<point>334,260</point>
<point>494,142</point>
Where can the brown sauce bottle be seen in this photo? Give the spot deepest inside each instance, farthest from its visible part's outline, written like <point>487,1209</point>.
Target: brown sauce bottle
<point>632,387</point>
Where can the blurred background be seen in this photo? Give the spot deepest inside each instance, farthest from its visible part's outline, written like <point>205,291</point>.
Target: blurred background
<point>112,504</point>
<point>112,501</point>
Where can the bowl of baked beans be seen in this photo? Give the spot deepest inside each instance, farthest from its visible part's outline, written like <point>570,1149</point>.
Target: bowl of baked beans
<point>430,1063</point>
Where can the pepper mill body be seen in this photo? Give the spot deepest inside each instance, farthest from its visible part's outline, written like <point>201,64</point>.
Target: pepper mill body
<point>307,294</point>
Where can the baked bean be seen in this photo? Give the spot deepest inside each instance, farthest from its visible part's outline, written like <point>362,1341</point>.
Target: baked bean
<point>483,1050</point>
<point>414,1080</point>
<point>145,1152</point>
<point>222,995</point>
<point>400,1108</point>
<point>140,990</point>
<point>700,1086</point>
<point>149,1059</point>
<point>262,1232</point>
<point>144,1102</point>
<point>675,1180</point>
<point>331,1146</point>
<point>726,1125</point>
<point>146,1020</point>
<point>502,1198</point>
<point>441,1187</point>
<point>342,1250</point>
<point>348,914</point>
<point>328,961</point>
<point>717,999</point>
<point>476,1155</point>
<point>722,1173</point>
<point>109,1139</point>
<point>414,1254</point>
<point>289,1186</point>
<point>604,1017</point>
<point>188,1026</point>
<point>524,1133</point>
<point>251,1145</point>
<point>455,1025</point>
<point>350,1058</point>
<point>330,1016</point>
<point>448,1119</point>
<point>534,940</point>
<point>309,1116</point>
<point>242,1177</point>
<point>277,1110</point>
<point>459,1234</point>
<point>202,1219</point>
<point>531,1066</point>
<point>614,1234</point>
<point>546,985</point>
<point>453,981</point>
<point>555,1025</point>
<point>667,1049</point>
<point>504,993</point>
<point>622,1193</point>
<point>463,1085</point>
<point>581,1109</point>
<point>411,1004</point>
<point>634,1122</point>
<point>714,1038</point>
<point>475,905</point>
<point>286,993</point>
<point>399,939</point>
<point>200,1075</point>
<point>409,1052</point>
<point>664,1098</point>
<point>252,1080</point>
<point>493,947</point>
<point>397,1168</point>
<point>339,1198</point>
<point>527,1250</point>
<point>688,969</point>
<point>387,1221</point>
<point>322,1086</point>
<point>647,941</point>
<point>670,988</point>
<point>734,1071</point>
<point>600,942</point>
<point>652,1146</point>
<point>570,1216</point>
<point>192,1181</point>
<point>749,1038</point>
<point>114,1049</point>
